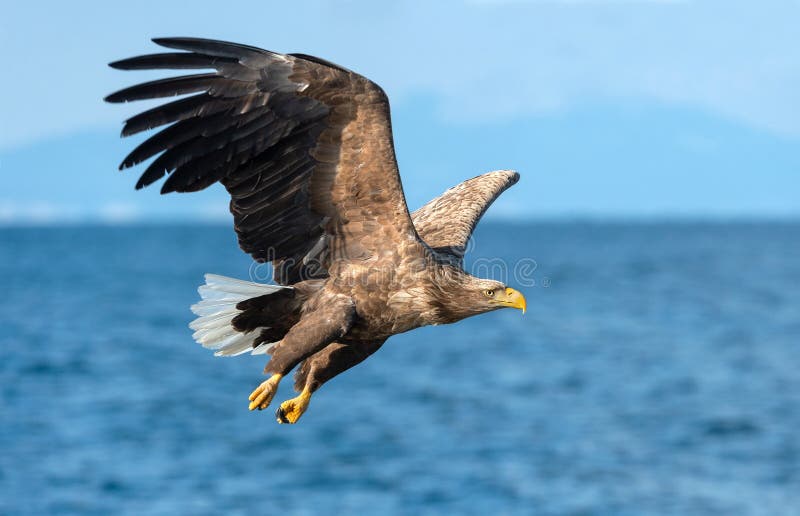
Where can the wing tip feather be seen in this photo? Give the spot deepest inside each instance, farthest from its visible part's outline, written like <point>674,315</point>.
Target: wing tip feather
<point>120,64</point>
<point>112,98</point>
<point>512,176</point>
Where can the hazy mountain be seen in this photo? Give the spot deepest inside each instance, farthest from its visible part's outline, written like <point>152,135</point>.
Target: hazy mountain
<point>597,161</point>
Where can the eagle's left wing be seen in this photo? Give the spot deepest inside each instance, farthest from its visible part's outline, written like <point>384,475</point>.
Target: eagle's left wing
<point>447,222</point>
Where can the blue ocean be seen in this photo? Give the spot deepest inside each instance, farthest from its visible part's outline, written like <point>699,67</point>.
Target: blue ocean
<point>657,371</point>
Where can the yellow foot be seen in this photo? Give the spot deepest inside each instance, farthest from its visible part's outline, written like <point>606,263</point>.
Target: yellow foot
<point>291,410</point>
<point>262,396</point>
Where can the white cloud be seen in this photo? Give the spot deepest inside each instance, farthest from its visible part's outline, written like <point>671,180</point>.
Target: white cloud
<point>119,212</point>
<point>37,212</point>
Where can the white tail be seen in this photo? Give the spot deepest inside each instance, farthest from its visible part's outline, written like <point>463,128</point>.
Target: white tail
<point>214,328</point>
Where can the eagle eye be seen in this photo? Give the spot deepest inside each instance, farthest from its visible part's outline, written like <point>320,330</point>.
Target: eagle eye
<point>489,293</point>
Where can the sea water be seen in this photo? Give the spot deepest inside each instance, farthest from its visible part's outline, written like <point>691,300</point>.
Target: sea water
<point>657,371</point>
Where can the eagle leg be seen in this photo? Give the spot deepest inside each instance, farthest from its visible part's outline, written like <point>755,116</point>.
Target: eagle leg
<point>328,318</point>
<point>262,396</point>
<point>332,360</point>
<point>291,410</point>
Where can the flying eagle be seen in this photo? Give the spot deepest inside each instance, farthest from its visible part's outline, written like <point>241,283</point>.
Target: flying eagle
<point>304,147</point>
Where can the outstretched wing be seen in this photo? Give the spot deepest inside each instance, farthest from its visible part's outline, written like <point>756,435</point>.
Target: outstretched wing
<point>446,222</point>
<point>303,146</point>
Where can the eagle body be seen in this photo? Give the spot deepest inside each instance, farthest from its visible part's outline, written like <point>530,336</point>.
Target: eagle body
<point>305,149</point>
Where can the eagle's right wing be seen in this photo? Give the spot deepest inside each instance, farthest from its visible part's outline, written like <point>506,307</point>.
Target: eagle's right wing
<point>303,146</point>
<point>447,222</point>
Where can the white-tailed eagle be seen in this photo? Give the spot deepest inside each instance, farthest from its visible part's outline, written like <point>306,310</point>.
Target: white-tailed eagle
<point>304,147</point>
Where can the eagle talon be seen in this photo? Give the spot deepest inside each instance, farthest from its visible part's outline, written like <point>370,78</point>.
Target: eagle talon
<point>290,410</point>
<point>262,396</point>
<point>281,417</point>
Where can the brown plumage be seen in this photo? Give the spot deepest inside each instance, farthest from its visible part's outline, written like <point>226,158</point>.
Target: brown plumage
<point>305,149</point>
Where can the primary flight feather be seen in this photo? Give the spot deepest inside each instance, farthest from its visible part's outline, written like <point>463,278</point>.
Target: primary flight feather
<point>305,149</point>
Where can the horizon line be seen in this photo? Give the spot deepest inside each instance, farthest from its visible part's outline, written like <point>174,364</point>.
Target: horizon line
<point>577,218</point>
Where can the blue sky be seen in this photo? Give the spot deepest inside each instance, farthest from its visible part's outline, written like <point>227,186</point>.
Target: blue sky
<point>608,108</point>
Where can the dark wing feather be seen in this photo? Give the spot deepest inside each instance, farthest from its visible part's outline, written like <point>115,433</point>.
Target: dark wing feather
<point>166,87</point>
<point>303,146</point>
<point>447,222</point>
<point>171,61</point>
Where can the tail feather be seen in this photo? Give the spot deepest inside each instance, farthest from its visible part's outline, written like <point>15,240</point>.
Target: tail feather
<point>214,327</point>
<point>262,349</point>
<point>235,345</point>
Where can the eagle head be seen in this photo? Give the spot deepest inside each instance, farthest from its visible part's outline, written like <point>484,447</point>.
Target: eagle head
<point>473,296</point>
<point>492,295</point>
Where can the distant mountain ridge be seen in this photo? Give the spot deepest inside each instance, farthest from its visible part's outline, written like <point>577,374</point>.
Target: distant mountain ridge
<point>599,161</point>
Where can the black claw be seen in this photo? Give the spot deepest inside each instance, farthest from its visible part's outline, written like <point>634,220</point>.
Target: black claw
<point>281,416</point>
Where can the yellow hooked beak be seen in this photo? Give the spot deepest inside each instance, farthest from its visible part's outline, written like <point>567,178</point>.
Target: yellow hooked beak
<point>513,299</point>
